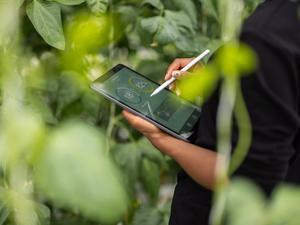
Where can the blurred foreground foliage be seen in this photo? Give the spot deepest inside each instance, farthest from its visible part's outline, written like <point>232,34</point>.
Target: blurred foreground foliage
<point>66,154</point>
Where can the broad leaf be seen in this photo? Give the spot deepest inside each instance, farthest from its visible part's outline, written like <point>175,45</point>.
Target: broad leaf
<point>97,6</point>
<point>75,173</point>
<point>46,18</point>
<point>70,2</point>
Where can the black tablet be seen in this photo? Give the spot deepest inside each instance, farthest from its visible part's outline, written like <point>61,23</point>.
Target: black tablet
<point>131,90</point>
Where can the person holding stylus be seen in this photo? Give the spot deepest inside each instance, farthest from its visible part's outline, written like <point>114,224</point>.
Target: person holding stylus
<point>272,95</point>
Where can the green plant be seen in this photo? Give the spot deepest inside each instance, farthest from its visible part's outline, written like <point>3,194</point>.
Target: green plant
<point>76,139</point>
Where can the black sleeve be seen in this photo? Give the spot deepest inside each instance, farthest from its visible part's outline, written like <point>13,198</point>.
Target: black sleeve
<point>271,95</point>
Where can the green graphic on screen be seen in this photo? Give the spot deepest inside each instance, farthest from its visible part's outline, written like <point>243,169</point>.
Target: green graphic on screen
<point>165,108</point>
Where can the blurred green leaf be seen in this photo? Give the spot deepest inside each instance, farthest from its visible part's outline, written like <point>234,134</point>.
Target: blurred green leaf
<point>168,28</point>
<point>70,2</point>
<point>200,83</point>
<point>246,203</point>
<point>210,8</point>
<point>22,208</point>
<point>128,14</point>
<point>155,3</point>
<point>98,6</point>
<point>128,158</point>
<point>150,176</point>
<point>20,3</point>
<point>74,173</point>
<point>151,24</point>
<point>147,215</point>
<point>4,213</point>
<point>284,206</point>
<point>46,19</point>
<point>189,8</point>
<point>150,152</point>
<point>91,104</point>
<point>38,104</point>
<point>236,59</point>
<point>70,90</point>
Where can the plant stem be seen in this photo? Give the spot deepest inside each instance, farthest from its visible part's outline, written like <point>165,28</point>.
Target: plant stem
<point>224,121</point>
<point>245,131</point>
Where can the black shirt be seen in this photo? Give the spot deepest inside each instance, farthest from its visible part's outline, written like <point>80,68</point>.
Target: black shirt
<point>272,96</point>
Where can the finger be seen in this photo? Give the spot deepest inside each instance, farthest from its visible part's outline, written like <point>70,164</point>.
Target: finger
<point>137,122</point>
<point>175,65</point>
<point>177,73</point>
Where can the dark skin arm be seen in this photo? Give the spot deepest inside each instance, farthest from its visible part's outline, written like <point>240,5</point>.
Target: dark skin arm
<point>199,163</point>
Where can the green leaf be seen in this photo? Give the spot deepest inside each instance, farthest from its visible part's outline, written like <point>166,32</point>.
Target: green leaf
<point>210,8</point>
<point>39,104</point>
<point>169,28</point>
<point>70,2</point>
<point>150,152</point>
<point>128,158</point>
<point>150,176</point>
<point>97,6</point>
<point>22,208</point>
<point>236,59</point>
<point>20,3</point>
<point>91,104</point>
<point>199,84</point>
<point>246,203</point>
<point>151,24</point>
<point>70,90</point>
<point>4,213</point>
<point>155,3</point>
<point>147,215</point>
<point>189,8</point>
<point>75,173</point>
<point>46,18</point>
<point>284,206</point>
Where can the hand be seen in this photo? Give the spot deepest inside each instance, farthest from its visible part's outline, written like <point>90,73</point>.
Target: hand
<point>153,133</point>
<point>174,68</point>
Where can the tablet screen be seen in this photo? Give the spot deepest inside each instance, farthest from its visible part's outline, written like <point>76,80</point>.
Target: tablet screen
<point>167,109</point>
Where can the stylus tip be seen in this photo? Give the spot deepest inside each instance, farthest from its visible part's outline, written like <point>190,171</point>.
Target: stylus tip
<point>154,93</point>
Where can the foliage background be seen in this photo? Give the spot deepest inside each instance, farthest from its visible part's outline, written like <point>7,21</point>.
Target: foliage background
<point>77,161</point>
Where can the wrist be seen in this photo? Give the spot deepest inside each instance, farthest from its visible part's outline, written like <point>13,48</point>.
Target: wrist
<point>166,144</point>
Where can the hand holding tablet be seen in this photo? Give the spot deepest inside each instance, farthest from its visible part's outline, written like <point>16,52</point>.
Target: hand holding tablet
<point>131,90</point>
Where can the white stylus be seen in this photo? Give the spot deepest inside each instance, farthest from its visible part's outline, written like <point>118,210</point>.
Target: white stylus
<point>184,69</point>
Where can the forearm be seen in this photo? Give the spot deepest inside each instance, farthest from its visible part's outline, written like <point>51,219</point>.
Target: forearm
<point>199,163</point>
